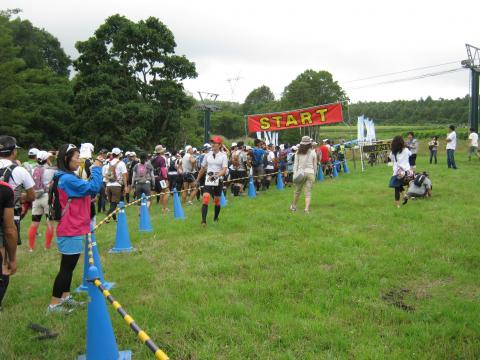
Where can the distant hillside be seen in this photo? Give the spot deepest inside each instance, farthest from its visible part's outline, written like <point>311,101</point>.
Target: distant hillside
<point>423,111</point>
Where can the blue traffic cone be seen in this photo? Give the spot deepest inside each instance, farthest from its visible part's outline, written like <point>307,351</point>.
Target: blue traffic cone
<point>177,206</point>
<point>251,188</point>
<point>280,185</point>
<point>223,200</point>
<point>122,238</point>
<point>335,172</point>
<point>101,342</point>
<point>96,259</point>
<point>145,224</point>
<point>320,176</point>
<point>345,167</point>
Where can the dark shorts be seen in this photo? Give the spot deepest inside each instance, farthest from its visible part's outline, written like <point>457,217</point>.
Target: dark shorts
<point>188,178</point>
<point>237,174</point>
<point>258,170</point>
<point>412,159</point>
<point>143,188</point>
<point>214,190</point>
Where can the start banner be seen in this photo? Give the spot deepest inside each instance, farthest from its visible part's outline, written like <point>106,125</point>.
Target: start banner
<point>313,116</point>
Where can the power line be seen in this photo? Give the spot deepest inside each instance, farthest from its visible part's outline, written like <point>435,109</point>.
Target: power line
<point>417,77</point>
<point>401,72</point>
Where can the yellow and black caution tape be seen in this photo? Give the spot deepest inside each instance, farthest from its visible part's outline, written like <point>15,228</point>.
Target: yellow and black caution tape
<point>142,335</point>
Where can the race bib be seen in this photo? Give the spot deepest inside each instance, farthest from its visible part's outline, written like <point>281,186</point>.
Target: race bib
<point>163,184</point>
<point>212,180</point>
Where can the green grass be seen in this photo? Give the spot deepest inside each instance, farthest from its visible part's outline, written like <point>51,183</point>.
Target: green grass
<point>266,283</point>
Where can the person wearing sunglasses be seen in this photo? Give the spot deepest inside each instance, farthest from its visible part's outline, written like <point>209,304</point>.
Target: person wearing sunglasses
<point>74,196</point>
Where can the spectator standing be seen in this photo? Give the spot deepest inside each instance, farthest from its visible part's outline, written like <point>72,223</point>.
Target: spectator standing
<point>473,144</point>
<point>74,195</point>
<point>433,148</point>
<point>412,145</point>
<point>451,146</point>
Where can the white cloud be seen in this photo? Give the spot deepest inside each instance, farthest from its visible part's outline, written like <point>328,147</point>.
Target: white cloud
<point>271,42</point>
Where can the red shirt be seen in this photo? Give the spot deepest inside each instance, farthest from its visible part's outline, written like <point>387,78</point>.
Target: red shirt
<point>324,151</point>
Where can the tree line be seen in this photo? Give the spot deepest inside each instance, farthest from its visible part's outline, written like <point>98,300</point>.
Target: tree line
<point>127,90</point>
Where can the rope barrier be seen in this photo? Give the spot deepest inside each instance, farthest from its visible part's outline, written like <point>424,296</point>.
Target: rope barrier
<point>142,335</point>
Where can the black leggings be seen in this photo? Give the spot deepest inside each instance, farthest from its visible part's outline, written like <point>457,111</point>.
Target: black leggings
<point>398,190</point>
<point>64,277</point>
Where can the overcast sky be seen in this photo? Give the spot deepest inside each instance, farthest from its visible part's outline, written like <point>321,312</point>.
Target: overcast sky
<point>271,42</point>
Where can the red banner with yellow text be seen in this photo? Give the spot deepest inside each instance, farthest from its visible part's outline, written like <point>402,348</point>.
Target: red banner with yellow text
<point>313,116</point>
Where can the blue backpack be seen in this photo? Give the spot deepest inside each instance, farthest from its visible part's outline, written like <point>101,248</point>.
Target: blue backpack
<point>258,156</point>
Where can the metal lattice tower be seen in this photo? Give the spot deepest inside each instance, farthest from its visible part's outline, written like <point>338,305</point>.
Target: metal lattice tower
<point>473,63</point>
<point>208,106</point>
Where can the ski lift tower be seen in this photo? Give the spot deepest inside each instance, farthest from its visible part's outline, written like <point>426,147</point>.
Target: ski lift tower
<point>473,63</point>
<point>207,106</point>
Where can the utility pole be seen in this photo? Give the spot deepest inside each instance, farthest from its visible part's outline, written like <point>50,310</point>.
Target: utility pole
<point>473,63</point>
<point>208,106</point>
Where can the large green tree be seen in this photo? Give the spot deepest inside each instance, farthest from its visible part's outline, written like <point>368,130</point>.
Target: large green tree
<point>34,94</point>
<point>312,88</point>
<point>128,89</point>
<point>259,100</point>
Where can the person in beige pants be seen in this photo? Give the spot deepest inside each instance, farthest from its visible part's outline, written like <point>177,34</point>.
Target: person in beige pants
<point>306,162</point>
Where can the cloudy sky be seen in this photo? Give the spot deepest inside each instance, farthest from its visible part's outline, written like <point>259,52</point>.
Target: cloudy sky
<point>256,43</point>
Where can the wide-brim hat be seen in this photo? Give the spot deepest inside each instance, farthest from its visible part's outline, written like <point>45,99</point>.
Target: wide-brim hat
<point>159,149</point>
<point>305,140</point>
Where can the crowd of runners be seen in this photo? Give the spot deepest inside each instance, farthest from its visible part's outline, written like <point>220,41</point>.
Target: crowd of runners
<point>73,185</point>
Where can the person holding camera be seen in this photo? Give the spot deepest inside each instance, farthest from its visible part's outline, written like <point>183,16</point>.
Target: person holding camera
<point>433,148</point>
<point>74,200</point>
<point>214,165</point>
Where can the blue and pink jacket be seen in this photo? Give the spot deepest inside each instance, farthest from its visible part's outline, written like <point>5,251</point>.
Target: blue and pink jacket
<point>76,219</point>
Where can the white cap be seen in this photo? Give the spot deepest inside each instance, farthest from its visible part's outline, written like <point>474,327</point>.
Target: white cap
<point>234,144</point>
<point>188,147</point>
<point>294,148</point>
<point>282,147</point>
<point>42,155</point>
<point>86,150</point>
<point>248,147</point>
<point>33,151</point>
<point>207,145</point>
<point>116,151</point>
<point>132,153</point>
<point>127,153</point>
<point>194,149</point>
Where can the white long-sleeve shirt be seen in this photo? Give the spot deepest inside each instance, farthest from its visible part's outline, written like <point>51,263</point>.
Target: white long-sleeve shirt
<point>400,161</point>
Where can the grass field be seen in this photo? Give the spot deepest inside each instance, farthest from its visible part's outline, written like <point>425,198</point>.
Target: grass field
<point>355,279</point>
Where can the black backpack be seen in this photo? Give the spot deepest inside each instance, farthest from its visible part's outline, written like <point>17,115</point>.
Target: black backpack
<point>419,179</point>
<point>6,173</point>
<point>55,212</point>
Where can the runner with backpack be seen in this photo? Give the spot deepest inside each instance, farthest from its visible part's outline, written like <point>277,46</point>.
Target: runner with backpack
<point>70,200</point>
<point>42,176</point>
<point>188,166</point>
<point>258,167</point>
<point>143,178</point>
<point>117,179</point>
<point>19,178</point>
<point>159,163</point>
